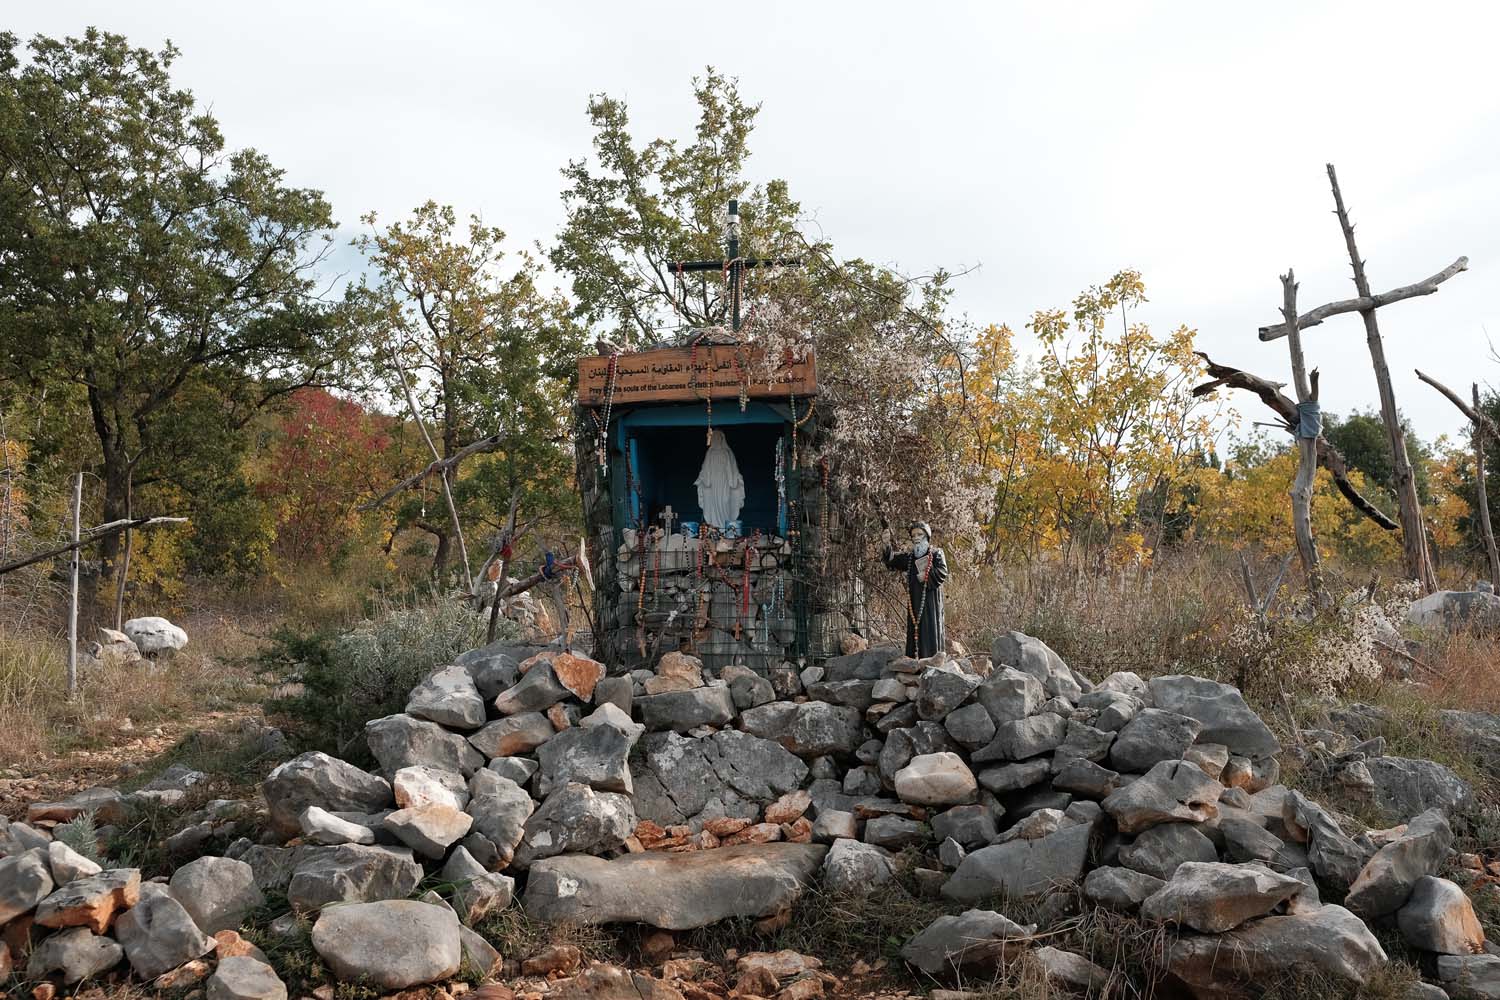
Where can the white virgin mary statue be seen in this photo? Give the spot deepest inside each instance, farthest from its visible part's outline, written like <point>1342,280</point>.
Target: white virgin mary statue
<point>721,488</point>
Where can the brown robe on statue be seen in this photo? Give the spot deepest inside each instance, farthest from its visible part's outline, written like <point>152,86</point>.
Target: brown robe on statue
<point>924,588</point>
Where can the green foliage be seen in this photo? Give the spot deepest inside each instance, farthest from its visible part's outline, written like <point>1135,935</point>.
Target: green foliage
<point>485,352</point>
<point>349,678</point>
<point>82,835</point>
<point>1364,442</point>
<point>163,278</point>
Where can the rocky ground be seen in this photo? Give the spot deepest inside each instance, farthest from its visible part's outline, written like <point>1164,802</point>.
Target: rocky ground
<point>873,825</point>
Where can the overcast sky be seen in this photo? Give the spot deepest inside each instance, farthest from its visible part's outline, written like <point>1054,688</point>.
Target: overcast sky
<point>1046,145</point>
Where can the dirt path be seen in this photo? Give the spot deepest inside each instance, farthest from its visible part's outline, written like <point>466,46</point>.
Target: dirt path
<point>56,776</point>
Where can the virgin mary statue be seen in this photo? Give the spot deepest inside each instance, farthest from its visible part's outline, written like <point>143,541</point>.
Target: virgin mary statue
<point>721,488</point>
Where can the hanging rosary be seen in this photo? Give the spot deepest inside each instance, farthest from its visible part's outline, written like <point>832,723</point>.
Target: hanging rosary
<point>602,425</point>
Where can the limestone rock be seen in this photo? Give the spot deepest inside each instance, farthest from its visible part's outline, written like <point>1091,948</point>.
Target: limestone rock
<point>680,711</point>
<point>1439,917</point>
<point>448,697</point>
<point>1120,888</point>
<point>1470,977</point>
<point>942,689</point>
<point>936,779</point>
<point>241,977</point>
<point>478,954</point>
<point>153,635</point>
<point>91,901</point>
<point>895,833</point>
<point>1033,656</point>
<point>476,892</point>
<point>1387,880</point>
<point>1072,972</point>
<point>672,891</point>
<point>1161,849</point>
<point>429,830</point>
<point>1337,859</point>
<point>970,726</point>
<point>1220,708</point>
<point>218,893</point>
<point>537,691</point>
<point>1329,940</point>
<point>1405,786</point>
<point>67,864</point>
<point>576,819</point>
<point>1213,897</point>
<point>1005,778</point>
<point>424,785</point>
<point>597,756</point>
<point>578,675</point>
<point>1152,736</point>
<point>610,714</point>
<point>856,868</point>
<point>402,740</point>
<point>1021,868</point>
<point>391,944</point>
<point>158,935</point>
<point>1025,738</point>
<point>25,880</point>
<point>1009,695</point>
<point>316,779</point>
<point>675,672</point>
<point>352,874</point>
<point>514,734</point>
<point>1173,791</point>
<point>319,826</point>
<point>500,809</point>
<point>76,954</point>
<point>730,773</point>
<point>971,826</point>
<point>975,939</point>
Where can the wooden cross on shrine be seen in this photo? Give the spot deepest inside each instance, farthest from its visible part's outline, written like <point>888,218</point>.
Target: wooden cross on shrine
<point>733,265</point>
<point>1413,533</point>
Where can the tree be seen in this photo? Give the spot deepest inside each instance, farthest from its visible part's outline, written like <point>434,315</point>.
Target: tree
<point>485,351</point>
<point>879,337</point>
<point>168,280</point>
<point>1364,442</point>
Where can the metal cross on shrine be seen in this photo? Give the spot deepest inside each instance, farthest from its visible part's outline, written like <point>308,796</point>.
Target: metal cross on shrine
<point>733,265</point>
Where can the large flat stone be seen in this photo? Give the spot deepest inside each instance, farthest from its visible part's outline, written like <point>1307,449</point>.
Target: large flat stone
<point>1328,940</point>
<point>672,891</point>
<point>1020,868</point>
<point>391,944</point>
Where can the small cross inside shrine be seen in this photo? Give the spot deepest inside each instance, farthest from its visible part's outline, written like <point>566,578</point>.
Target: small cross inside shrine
<point>733,265</point>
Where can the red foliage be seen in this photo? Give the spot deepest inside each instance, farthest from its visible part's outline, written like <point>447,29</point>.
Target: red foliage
<point>328,456</point>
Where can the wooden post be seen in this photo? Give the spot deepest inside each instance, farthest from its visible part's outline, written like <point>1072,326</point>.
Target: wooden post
<point>1413,533</point>
<point>1482,500</point>
<point>72,676</point>
<point>1307,447</point>
<point>1482,425</point>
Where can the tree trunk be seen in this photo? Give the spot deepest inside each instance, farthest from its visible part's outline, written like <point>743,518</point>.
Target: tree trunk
<point>1482,500</point>
<point>1413,533</point>
<point>1307,447</point>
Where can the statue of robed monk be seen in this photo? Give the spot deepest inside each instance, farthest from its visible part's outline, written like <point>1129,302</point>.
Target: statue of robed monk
<point>926,568</point>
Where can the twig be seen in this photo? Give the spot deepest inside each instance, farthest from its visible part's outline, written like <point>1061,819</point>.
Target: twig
<point>484,445</point>
<point>90,536</point>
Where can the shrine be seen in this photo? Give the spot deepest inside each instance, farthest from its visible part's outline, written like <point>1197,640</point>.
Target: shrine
<point>707,518</point>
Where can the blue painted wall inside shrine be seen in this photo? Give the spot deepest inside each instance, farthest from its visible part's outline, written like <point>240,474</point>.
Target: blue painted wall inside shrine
<point>659,451</point>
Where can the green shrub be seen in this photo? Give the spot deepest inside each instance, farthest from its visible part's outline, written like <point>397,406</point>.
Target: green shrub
<point>335,683</point>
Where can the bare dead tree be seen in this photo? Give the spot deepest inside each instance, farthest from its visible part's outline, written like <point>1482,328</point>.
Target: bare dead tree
<point>1270,393</point>
<point>1307,447</point>
<point>1413,534</point>
<point>1480,426</point>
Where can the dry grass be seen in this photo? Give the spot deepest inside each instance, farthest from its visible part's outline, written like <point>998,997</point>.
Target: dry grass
<point>41,719</point>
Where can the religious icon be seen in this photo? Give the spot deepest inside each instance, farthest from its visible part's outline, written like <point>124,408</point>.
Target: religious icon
<point>926,568</point>
<point>721,488</point>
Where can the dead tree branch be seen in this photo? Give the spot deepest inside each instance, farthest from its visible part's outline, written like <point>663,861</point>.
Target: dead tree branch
<point>1270,393</point>
<point>1476,416</point>
<point>1363,303</point>
<point>443,466</point>
<point>90,536</point>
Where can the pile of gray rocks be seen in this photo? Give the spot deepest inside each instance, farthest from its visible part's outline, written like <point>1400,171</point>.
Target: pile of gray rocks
<point>675,799</point>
